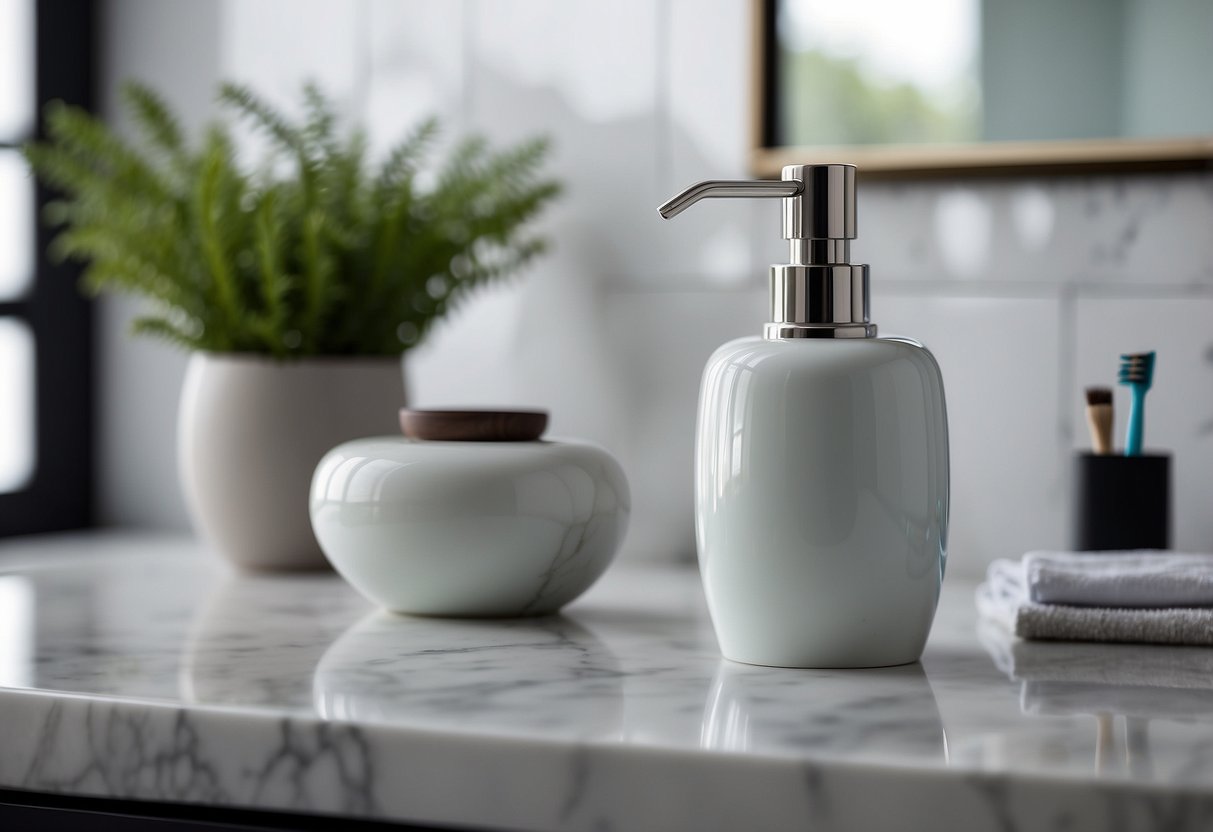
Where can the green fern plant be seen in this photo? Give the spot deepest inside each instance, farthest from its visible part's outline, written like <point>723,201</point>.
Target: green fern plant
<point>335,258</point>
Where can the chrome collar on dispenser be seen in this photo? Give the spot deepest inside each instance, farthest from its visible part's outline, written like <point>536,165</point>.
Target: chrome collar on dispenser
<point>820,293</point>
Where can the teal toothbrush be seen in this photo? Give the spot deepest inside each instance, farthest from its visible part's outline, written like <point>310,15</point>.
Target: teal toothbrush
<point>1137,371</point>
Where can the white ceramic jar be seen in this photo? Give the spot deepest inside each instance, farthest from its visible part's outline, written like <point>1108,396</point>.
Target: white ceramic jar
<point>474,529</point>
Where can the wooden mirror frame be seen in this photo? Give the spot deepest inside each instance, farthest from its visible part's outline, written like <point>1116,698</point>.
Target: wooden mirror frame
<point>971,159</point>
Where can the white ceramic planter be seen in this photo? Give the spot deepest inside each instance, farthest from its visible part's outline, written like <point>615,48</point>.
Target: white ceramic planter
<point>477,529</point>
<point>250,433</point>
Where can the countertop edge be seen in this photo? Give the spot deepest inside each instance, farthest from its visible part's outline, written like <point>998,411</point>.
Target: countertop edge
<point>140,750</point>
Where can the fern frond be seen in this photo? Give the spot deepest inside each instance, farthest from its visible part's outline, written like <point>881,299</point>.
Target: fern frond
<point>154,118</point>
<point>317,272</point>
<point>68,172</point>
<point>402,161</point>
<point>80,138</point>
<point>162,328</point>
<point>331,260</point>
<point>115,262</point>
<point>262,114</point>
<point>209,232</point>
<point>275,285</point>
<point>344,178</point>
<point>318,130</point>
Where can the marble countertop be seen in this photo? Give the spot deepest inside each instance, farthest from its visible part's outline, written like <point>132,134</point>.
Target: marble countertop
<point>138,667</point>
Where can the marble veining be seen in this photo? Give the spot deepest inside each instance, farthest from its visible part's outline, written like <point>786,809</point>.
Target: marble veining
<point>138,667</point>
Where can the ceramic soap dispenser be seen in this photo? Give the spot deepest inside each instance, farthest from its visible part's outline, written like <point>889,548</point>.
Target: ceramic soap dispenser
<point>821,478</point>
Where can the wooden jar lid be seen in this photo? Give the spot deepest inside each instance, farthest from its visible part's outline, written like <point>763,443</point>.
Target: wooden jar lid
<point>473,425</point>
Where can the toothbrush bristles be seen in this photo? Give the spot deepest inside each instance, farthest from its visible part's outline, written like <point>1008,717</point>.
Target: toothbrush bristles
<point>1136,368</point>
<point>1099,395</point>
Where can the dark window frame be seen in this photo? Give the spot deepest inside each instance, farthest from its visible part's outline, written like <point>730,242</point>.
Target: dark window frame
<point>60,494</point>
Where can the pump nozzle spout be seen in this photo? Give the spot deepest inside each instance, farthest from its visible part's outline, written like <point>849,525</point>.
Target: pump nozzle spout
<point>716,188</point>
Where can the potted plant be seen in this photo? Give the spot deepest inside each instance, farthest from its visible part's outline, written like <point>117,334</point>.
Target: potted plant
<point>296,283</point>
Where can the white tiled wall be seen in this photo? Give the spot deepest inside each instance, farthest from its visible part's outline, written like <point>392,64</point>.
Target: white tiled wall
<point>1026,289</point>
<point>1002,378</point>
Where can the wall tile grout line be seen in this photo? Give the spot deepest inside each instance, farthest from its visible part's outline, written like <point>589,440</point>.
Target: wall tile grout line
<point>665,283</point>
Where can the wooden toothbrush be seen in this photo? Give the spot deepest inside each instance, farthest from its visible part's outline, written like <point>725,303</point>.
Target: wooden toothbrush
<point>1099,419</point>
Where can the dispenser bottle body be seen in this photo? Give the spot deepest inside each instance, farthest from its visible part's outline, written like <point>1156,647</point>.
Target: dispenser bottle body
<point>822,499</point>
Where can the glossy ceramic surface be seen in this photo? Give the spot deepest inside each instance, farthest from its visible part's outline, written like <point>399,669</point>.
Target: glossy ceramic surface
<point>822,500</point>
<point>250,432</point>
<point>469,529</point>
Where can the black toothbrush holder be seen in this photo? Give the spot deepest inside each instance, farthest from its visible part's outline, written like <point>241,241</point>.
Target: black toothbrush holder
<point>1122,502</point>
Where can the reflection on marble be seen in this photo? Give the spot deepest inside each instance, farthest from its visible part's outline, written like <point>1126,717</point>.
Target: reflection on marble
<point>867,714</point>
<point>1062,677</point>
<point>467,677</point>
<point>255,639</point>
<point>153,674</point>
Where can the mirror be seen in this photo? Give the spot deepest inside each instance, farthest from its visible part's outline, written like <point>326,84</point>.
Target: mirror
<point>983,86</point>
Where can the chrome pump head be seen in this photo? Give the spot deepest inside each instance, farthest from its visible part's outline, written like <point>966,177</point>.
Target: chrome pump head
<point>820,293</point>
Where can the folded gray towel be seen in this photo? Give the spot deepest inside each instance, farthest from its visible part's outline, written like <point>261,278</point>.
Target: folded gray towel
<point>1004,598</point>
<point>1145,578</point>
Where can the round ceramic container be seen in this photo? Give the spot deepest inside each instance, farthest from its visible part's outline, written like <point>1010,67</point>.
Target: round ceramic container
<point>478,529</point>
